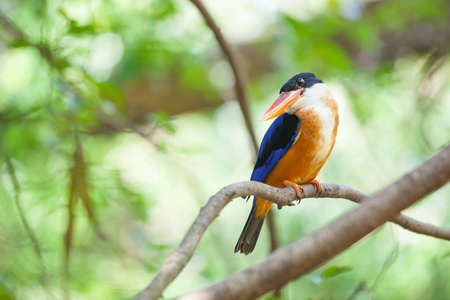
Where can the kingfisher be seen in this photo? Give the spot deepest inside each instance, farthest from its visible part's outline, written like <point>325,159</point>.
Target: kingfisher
<point>294,148</point>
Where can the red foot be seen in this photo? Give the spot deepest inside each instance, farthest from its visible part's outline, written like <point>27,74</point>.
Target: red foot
<point>317,184</point>
<point>298,189</point>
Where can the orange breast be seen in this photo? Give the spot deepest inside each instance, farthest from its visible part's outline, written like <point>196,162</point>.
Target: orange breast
<point>303,161</point>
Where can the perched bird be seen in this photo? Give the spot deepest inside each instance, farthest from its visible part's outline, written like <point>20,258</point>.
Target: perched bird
<point>295,147</point>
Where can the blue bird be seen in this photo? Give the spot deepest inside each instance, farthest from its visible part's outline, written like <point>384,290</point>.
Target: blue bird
<point>294,148</point>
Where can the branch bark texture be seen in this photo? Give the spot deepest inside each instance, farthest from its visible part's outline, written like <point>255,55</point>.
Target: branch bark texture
<point>314,249</point>
<point>303,255</point>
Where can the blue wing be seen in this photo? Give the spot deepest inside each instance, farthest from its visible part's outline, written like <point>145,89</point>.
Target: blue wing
<point>276,142</point>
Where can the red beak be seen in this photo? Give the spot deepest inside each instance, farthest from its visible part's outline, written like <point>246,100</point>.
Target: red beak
<point>282,104</point>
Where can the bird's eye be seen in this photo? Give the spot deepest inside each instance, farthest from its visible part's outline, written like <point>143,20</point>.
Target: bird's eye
<point>300,82</point>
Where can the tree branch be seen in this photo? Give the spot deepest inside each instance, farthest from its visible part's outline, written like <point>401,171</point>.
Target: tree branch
<point>406,222</point>
<point>317,247</point>
<point>301,256</point>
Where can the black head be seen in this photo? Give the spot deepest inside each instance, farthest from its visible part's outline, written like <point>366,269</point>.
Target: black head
<point>302,80</point>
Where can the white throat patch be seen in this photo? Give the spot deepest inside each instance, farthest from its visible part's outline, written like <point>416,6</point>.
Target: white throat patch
<point>311,96</point>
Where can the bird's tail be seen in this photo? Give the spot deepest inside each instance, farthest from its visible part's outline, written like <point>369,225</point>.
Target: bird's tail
<point>252,228</point>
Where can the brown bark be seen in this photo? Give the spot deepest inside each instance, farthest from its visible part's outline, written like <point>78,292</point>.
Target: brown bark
<point>308,252</point>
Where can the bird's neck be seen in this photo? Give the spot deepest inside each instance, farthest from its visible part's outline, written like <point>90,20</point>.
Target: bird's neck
<point>320,119</point>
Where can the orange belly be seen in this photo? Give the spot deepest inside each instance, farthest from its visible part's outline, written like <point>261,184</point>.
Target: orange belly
<point>303,161</point>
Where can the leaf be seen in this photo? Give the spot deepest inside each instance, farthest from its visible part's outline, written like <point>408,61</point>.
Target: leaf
<point>63,13</point>
<point>6,294</point>
<point>162,120</point>
<point>334,271</point>
<point>75,29</point>
<point>19,43</point>
<point>111,92</point>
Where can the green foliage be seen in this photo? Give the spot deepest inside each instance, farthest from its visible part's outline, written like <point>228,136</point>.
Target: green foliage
<point>334,271</point>
<point>143,89</point>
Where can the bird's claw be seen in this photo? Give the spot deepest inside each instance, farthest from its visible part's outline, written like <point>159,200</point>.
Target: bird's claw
<point>298,189</point>
<point>295,202</point>
<point>318,187</point>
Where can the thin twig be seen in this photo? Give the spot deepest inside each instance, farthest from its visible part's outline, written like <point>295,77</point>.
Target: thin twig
<point>273,231</point>
<point>282,197</point>
<point>10,26</point>
<point>17,191</point>
<point>236,66</point>
<point>240,83</point>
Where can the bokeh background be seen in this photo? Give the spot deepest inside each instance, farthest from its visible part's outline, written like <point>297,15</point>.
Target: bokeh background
<point>118,120</point>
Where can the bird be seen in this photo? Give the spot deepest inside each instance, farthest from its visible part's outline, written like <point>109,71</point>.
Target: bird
<point>294,148</point>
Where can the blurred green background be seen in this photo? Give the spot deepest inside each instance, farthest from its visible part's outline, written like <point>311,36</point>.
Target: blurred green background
<point>118,121</point>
